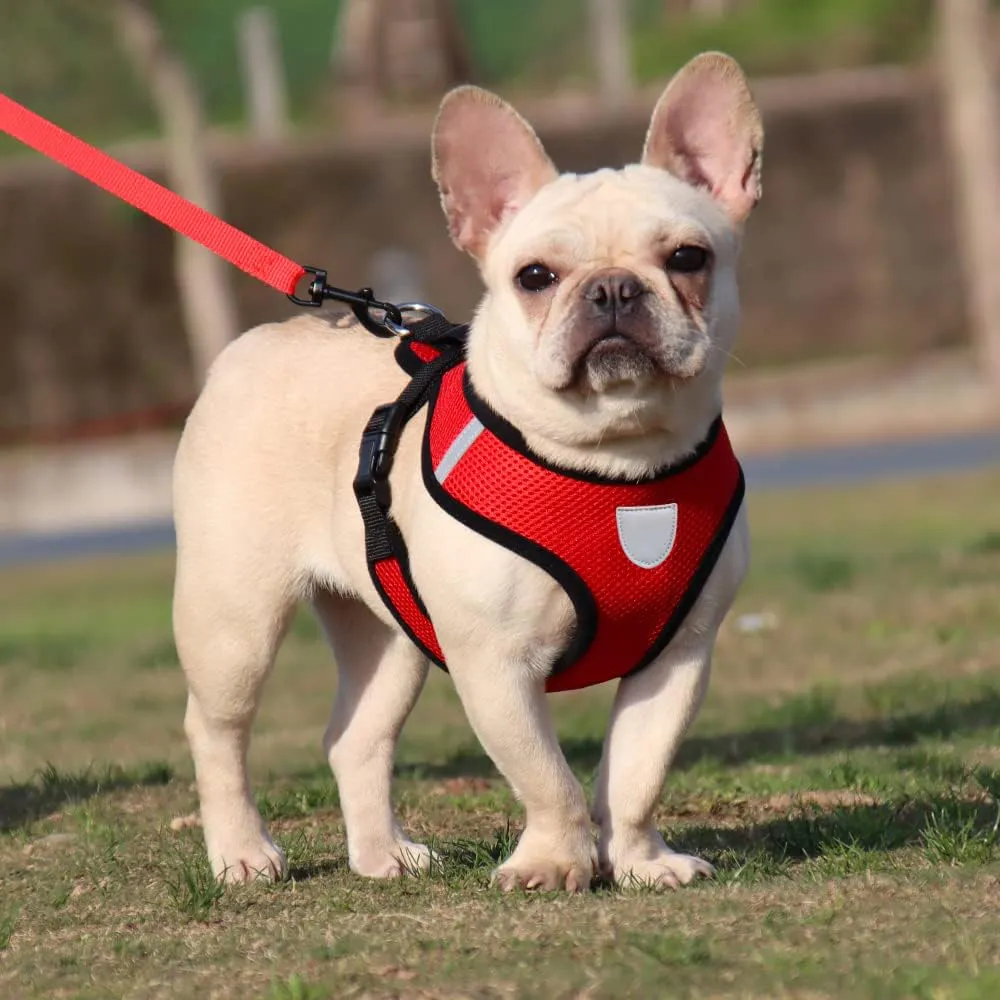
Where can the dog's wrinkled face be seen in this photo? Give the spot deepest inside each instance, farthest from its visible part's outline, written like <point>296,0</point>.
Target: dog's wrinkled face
<point>613,273</point>
<point>611,301</point>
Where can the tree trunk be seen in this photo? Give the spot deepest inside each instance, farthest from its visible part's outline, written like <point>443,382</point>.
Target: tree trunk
<point>263,73</point>
<point>396,49</point>
<point>203,281</point>
<point>353,57</point>
<point>609,22</point>
<point>710,9</point>
<point>707,9</point>
<point>973,113</point>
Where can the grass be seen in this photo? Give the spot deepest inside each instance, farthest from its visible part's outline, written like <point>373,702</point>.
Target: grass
<point>191,886</point>
<point>843,777</point>
<point>7,924</point>
<point>783,36</point>
<point>61,58</point>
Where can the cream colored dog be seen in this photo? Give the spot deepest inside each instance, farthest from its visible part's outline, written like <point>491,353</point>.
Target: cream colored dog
<point>266,517</point>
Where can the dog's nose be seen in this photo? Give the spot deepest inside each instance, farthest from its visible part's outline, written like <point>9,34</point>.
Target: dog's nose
<point>614,290</point>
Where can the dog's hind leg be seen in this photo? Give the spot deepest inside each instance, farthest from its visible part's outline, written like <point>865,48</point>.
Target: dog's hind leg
<point>227,636</point>
<point>381,674</point>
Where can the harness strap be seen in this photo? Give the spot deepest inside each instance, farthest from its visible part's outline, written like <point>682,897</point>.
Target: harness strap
<point>437,345</point>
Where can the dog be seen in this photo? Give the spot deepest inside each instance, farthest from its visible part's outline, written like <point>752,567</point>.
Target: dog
<point>610,309</point>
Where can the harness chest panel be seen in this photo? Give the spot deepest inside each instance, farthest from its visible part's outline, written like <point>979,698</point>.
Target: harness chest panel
<point>632,557</point>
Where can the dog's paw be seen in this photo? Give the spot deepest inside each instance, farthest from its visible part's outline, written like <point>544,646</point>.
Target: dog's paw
<point>403,858</point>
<point>239,863</point>
<point>665,871</point>
<point>569,867</point>
<point>544,876</point>
<point>639,857</point>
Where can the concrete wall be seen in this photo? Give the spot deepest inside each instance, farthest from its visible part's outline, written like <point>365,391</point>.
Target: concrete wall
<point>851,250</point>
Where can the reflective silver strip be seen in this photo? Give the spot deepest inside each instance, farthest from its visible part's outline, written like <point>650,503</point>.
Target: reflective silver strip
<point>462,443</point>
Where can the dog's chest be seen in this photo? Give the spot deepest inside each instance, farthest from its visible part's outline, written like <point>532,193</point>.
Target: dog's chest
<point>632,558</point>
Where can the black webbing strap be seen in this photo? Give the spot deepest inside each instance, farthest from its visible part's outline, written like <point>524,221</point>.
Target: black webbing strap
<point>436,328</point>
<point>380,437</point>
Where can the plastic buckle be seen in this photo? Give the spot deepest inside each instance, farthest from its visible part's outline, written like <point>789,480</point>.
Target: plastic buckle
<point>378,449</point>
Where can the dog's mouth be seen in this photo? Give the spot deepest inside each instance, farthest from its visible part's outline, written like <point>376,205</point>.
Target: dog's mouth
<point>614,358</point>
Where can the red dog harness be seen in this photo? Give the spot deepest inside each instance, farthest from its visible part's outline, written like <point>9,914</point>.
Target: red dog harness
<point>632,556</point>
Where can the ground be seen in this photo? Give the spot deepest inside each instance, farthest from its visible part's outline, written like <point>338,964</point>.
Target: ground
<point>843,777</point>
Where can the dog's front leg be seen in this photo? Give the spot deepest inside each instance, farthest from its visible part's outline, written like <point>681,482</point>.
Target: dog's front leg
<point>653,710</point>
<point>506,705</point>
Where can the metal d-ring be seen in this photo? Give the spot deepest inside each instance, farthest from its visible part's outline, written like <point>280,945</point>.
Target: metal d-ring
<point>389,324</point>
<point>401,329</point>
<point>419,307</point>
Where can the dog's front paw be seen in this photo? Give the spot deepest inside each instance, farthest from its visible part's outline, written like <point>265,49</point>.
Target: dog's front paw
<point>237,863</point>
<point>666,871</point>
<point>531,866</point>
<point>403,857</point>
<point>643,859</point>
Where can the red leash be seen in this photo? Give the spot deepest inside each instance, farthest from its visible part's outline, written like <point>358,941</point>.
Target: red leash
<point>185,217</point>
<point>171,209</point>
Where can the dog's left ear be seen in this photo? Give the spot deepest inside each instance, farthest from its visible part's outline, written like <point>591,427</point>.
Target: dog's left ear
<point>488,163</point>
<point>706,130</point>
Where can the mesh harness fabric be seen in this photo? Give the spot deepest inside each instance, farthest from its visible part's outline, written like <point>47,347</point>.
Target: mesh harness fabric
<point>631,556</point>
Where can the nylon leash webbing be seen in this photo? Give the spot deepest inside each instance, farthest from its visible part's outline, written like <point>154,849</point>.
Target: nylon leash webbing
<point>166,206</point>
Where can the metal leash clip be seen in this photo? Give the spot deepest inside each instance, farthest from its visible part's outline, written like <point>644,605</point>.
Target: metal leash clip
<point>364,305</point>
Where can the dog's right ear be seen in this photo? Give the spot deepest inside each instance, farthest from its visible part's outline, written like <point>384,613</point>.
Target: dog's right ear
<point>706,130</point>
<point>488,163</point>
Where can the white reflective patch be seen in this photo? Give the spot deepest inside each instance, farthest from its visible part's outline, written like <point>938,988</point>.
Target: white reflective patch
<point>463,442</point>
<point>647,534</point>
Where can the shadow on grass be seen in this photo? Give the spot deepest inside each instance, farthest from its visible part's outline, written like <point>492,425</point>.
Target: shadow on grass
<point>807,725</point>
<point>851,839</point>
<point>52,789</point>
<point>317,869</point>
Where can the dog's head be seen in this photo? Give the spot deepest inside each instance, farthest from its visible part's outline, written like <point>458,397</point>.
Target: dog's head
<point>611,302</point>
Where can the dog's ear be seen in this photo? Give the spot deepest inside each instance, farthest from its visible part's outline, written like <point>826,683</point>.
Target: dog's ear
<point>706,130</point>
<point>488,163</point>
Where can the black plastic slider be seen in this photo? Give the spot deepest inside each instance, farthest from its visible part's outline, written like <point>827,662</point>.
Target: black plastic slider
<point>378,446</point>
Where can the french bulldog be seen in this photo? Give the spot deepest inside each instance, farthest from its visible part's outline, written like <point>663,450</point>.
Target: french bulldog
<point>609,312</point>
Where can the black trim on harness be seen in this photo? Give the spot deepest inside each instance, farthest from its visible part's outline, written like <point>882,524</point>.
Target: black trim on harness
<point>383,540</point>
<point>380,437</point>
<point>377,450</point>
<point>513,438</point>
<point>578,592</point>
<point>435,331</point>
<point>698,581</point>
<point>402,556</point>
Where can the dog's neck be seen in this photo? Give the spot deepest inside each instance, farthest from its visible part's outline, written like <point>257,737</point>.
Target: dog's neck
<point>555,427</point>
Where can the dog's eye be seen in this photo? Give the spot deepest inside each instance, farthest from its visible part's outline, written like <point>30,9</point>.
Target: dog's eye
<point>536,278</point>
<point>688,259</point>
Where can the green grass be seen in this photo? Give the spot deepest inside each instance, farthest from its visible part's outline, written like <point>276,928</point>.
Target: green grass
<point>782,36</point>
<point>7,924</point>
<point>843,777</point>
<point>61,58</point>
<point>192,888</point>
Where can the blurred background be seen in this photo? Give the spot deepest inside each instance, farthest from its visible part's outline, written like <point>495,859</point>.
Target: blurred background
<point>871,309</point>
